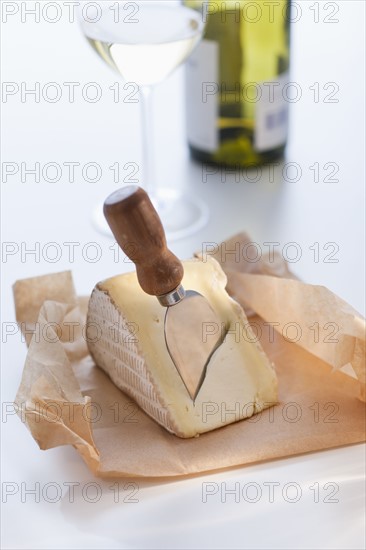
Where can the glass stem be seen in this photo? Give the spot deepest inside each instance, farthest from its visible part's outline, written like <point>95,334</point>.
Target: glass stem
<point>148,165</point>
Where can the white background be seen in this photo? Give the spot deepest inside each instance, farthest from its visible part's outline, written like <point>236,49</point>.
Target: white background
<point>172,515</point>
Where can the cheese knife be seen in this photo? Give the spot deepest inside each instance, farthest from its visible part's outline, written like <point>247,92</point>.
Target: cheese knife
<point>138,230</point>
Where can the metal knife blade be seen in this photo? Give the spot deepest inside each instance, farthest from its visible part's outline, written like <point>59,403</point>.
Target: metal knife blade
<point>193,332</point>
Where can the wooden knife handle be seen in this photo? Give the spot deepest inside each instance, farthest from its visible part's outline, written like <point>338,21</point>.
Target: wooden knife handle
<point>139,232</point>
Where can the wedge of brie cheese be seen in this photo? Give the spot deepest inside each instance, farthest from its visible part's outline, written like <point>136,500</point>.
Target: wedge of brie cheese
<point>131,349</point>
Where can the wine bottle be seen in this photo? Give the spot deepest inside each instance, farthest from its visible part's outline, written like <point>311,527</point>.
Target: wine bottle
<point>237,82</point>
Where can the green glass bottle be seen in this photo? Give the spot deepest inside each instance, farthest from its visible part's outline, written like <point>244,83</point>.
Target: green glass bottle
<point>237,82</point>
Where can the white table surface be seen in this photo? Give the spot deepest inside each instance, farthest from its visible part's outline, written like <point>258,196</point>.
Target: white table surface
<point>173,515</point>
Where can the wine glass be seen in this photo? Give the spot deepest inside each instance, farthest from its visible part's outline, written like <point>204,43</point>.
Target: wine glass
<point>145,41</point>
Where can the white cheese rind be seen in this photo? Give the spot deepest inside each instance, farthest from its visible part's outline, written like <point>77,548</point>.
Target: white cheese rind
<point>240,379</point>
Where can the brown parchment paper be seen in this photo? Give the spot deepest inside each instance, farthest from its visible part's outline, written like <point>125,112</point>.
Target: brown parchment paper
<point>64,399</point>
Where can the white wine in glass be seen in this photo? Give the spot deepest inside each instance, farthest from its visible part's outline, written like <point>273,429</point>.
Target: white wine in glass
<point>145,41</point>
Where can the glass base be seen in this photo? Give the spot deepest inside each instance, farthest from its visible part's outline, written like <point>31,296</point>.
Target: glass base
<point>181,216</point>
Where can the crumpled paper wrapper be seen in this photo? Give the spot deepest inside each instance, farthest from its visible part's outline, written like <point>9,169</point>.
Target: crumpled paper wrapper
<point>64,399</point>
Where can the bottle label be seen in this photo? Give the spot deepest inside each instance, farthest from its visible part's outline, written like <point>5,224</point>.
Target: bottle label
<point>271,114</point>
<point>202,73</point>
